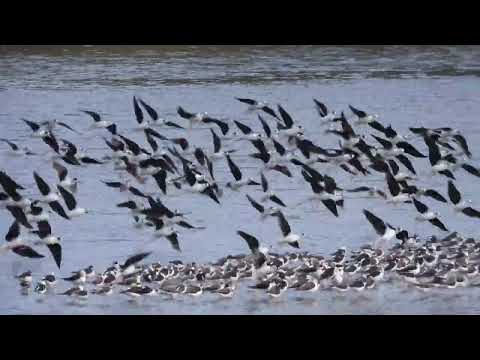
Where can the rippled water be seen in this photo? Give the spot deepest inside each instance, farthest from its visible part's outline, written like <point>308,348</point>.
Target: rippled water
<point>420,85</point>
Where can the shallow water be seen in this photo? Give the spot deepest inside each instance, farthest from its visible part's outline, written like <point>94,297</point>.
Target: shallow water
<point>430,86</point>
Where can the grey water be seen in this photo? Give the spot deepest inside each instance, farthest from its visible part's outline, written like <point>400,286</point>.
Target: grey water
<point>433,86</point>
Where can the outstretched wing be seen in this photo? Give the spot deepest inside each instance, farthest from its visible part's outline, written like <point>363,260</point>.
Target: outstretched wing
<point>377,223</point>
<point>251,240</point>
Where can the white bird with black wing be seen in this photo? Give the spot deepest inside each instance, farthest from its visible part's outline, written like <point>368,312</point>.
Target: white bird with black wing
<point>459,204</point>
<point>289,237</point>
<point>427,215</point>
<point>385,231</point>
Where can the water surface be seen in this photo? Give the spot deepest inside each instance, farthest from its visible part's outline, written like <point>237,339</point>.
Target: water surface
<point>407,86</point>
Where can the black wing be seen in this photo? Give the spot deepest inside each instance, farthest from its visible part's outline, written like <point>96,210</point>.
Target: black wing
<point>112,129</point>
<point>359,113</point>
<point>287,119</point>
<point>247,101</point>
<point>471,212</point>
<point>19,215</point>
<point>56,251</point>
<point>471,169</point>
<point>26,251</point>
<point>376,222</point>
<point>282,169</point>
<point>421,207</point>
<point>433,151</point>
<point>89,160</point>
<point>13,231</point>
<point>137,192</point>
<point>13,146</point>
<point>237,174</point>
<point>265,126</point>
<point>51,141</point>
<point>155,133</point>
<point>269,111</point>
<point>94,115</point>
<point>34,126</point>
<point>200,156</point>
<point>55,206</point>
<point>41,184</point>
<point>276,199</point>
<point>279,147</point>
<point>389,132</point>
<point>409,149</point>
<point>322,109</point>
<point>436,222</point>
<point>394,166</point>
<point>132,145</point>
<point>255,204</point>
<point>128,204</point>
<point>329,184</point>
<point>221,124</point>
<point>393,185</point>
<point>435,195</point>
<point>135,259</point>
<point>151,141</point>
<point>404,160</point>
<point>463,144</point>
<point>151,111</point>
<point>72,149</point>
<point>66,126</point>
<point>377,126</point>
<point>211,194</point>
<point>113,184</point>
<point>9,185</point>
<point>260,146</point>
<point>418,131</point>
<point>44,229</point>
<point>184,114</point>
<point>172,124</point>
<point>453,193</point>
<point>447,173</point>
<point>173,239</point>
<point>283,223</point>
<point>138,111</point>
<point>161,180</point>
<point>243,128</point>
<point>68,198</point>
<point>385,143</point>
<point>189,176</point>
<point>359,189</point>
<point>252,241</point>
<point>264,182</point>
<point>330,205</point>
<point>216,142</point>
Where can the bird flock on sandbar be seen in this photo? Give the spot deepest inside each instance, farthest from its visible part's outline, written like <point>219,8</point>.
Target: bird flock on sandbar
<point>280,147</point>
